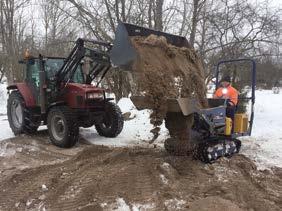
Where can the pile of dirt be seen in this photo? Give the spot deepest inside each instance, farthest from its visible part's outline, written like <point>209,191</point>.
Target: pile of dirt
<point>165,71</point>
<point>103,178</point>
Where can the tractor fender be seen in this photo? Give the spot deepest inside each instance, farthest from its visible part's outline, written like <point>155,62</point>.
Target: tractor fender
<point>58,103</point>
<point>26,93</point>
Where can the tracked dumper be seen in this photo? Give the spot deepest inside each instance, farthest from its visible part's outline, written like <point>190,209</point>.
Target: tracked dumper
<point>170,82</point>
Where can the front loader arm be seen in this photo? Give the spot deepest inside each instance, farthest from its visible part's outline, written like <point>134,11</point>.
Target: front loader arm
<point>99,57</point>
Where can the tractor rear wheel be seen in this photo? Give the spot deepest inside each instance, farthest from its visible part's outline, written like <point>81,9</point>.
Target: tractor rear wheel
<point>112,123</point>
<point>19,116</point>
<point>62,127</point>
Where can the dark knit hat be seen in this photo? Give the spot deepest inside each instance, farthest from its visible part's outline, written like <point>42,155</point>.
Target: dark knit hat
<point>226,78</point>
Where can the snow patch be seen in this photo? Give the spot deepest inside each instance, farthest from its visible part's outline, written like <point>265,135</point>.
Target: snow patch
<point>121,205</point>
<point>175,204</point>
<point>166,165</point>
<point>6,131</point>
<point>3,99</point>
<point>29,202</point>
<point>164,179</point>
<point>143,207</point>
<point>44,187</point>
<point>223,174</point>
<point>265,144</point>
<point>135,131</point>
<point>6,151</point>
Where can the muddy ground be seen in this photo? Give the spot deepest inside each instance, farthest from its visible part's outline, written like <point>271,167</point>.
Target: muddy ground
<point>35,175</point>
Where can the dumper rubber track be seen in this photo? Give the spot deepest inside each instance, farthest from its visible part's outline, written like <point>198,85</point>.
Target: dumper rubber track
<point>210,150</point>
<point>179,128</point>
<point>177,147</point>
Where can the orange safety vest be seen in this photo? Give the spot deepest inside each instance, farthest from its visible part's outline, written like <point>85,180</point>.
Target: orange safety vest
<point>231,94</point>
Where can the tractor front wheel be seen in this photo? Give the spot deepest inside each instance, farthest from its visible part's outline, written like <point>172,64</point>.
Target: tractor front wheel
<point>62,127</point>
<point>19,116</point>
<point>112,123</point>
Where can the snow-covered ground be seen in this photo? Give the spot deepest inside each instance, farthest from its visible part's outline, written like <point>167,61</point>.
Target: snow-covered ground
<point>5,131</point>
<point>135,131</point>
<point>265,145</point>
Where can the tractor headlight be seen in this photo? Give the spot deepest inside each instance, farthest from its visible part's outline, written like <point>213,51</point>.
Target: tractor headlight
<point>95,95</point>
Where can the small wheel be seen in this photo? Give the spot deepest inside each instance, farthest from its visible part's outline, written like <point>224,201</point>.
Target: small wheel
<point>238,145</point>
<point>19,116</point>
<point>112,123</point>
<point>62,127</point>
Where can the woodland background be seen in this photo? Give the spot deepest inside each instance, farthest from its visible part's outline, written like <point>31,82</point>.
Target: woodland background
<point>217,29</point>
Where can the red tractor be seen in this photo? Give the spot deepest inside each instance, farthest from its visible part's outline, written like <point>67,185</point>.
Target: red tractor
<point>59,93</point>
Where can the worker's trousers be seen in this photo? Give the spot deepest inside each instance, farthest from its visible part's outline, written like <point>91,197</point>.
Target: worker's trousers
<point>230,112</point>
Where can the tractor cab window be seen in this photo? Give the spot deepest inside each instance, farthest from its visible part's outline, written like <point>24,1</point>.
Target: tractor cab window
<point>78,75</point>
<point>33,72</point>
<point>52,66</point>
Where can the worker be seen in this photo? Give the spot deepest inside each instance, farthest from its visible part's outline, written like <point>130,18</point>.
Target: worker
<point>226,91</point>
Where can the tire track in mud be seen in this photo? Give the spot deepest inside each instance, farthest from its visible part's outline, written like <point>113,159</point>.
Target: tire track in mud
<point>115,181</point>
<point>91,177</point>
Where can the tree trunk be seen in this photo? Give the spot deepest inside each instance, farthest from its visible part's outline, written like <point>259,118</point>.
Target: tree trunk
<point>123,13</point>
<point>150,14</point>
<point>159,15</point>
<point>194,22</point>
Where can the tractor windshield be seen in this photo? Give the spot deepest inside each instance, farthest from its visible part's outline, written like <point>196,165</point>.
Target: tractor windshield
<point>54,64</point>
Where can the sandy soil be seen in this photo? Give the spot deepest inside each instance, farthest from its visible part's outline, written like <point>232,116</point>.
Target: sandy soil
<point>35,175</point>
<point>165,71</point>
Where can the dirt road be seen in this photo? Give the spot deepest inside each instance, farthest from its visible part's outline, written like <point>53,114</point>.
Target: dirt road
<point>35,175</point>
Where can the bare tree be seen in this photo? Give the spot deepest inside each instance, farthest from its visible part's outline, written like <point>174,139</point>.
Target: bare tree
<point>233,30</point>
<point>159,15</point>
<point>197,6</point>
<point>9,24</point>
<point>58,27</point>
<point>216,29</point>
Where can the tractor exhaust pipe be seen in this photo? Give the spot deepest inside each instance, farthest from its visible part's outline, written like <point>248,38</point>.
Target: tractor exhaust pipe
<point>42,84</point>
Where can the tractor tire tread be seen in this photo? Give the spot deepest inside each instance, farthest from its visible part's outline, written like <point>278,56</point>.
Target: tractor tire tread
<point>117,119</point>
<point>28,127</point>
<point>71,137</point>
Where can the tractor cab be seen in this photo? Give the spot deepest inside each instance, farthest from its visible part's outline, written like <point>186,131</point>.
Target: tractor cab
<point>51,65</point>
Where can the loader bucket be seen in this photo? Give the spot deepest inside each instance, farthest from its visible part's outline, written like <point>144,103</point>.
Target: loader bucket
<point>123,53</point>
<point>186,106</point>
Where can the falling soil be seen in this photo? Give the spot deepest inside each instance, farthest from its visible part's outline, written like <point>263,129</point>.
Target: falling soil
<point>35,175</point>
<point>165,71</point>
